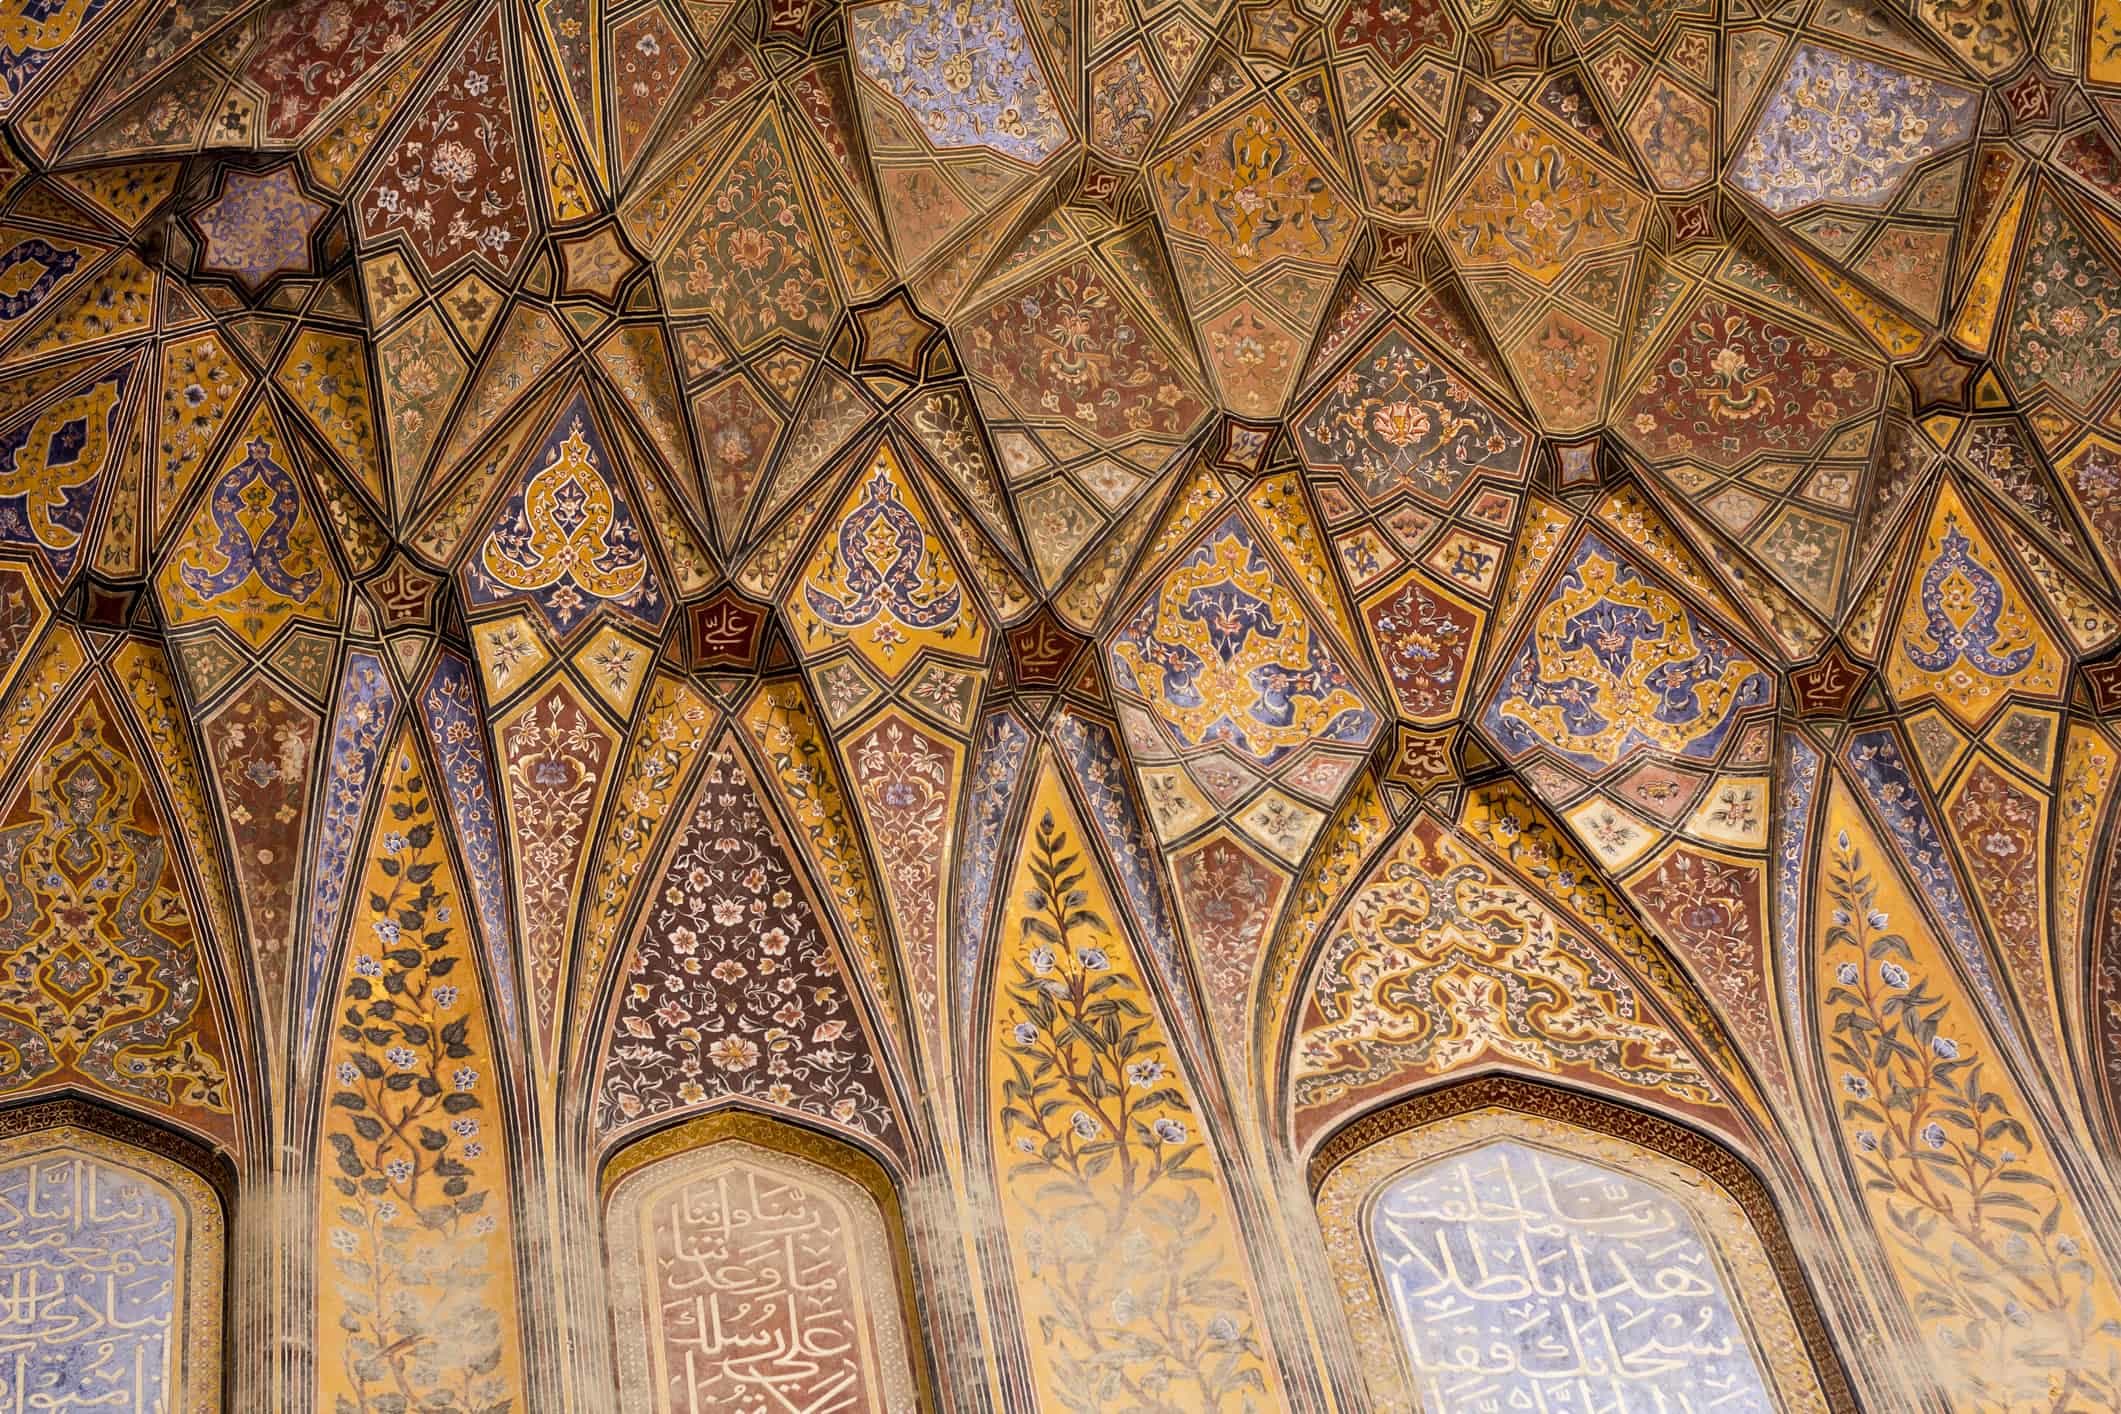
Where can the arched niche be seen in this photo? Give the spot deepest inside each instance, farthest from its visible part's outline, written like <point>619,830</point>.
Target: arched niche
<point>1501,1243</point>
<point>113,1249</point>
<point>756,1264</point>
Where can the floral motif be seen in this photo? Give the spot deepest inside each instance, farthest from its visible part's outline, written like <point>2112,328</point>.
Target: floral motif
<point>750,256</point>
<point>314,51</point>
<point>1732,385</point>
<point>967,73</point>
<point>566,539</point>
<point>1397,155</point>
<point>1440,963</point>
<point>1250,190</point>
<point>1987,1246</point>
<point>1965,633</point>
<point>1425,638</point>
<point>997,773</point>
<point>1397,418</point>
<point>31,36</point>
<point>665,748</point>
<point>367,703</point>
<point>554,759</point>
<point>906,781</point>
<point>1536,203</point>
<point>450,709</point>
<point>327,376</point>
<point>253,555</point>
<point>1675,131</point>
<point>416,1288</point>
<point>2063,332</point>
<point>1843,129</point>
<point>883,581</point>
<point>1230,901</point>
<point>733,988</point>
<point>1708,911</point>
<point>51,470</point>
<point>2002,832</point>
<point>1394,30</point>
<point>1071,346</point>
<point>259,226</point>
<point>262,744</point>
<point>1093,756</point>
<point>453,187</point>
<point>651,57</point>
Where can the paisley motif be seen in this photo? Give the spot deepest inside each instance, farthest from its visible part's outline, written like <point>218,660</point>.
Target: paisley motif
<point>51,469</point>
<point>882,556</point>
<point>1960,619</point>
<point>1614,665</point>
<point>566,540</point>
<point>1223,650</point>
<point>881,580</point>
<point>1965,633</point>
<point>244,551</point>
<point>253,555</point>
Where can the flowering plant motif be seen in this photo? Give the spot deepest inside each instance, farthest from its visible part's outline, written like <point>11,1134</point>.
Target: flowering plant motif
<point>453,187</point>
<point>416,1230</point>
<point>750,257</point>
<point>1141,1311</point>
<point>1850,130</point>
<point>1997,1276</point>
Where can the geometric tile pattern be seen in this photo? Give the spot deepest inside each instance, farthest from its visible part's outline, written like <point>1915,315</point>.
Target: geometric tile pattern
<point>1015,618</point>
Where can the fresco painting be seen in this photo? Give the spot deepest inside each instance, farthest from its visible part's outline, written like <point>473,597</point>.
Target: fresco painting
<point>1033,705</point>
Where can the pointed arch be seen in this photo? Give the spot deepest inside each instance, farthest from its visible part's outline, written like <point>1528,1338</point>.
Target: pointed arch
<point>1598,1191</point>
<point>733,1232</point>
<point>105,1212</point>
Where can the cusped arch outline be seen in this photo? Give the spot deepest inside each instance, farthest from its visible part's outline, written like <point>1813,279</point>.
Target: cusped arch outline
<point>830,1187</point>
<point>196,1187</point>
<point>1728,1205</point>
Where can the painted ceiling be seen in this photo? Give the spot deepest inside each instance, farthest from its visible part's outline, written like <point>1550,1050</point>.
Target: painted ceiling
<point>1081,602</point>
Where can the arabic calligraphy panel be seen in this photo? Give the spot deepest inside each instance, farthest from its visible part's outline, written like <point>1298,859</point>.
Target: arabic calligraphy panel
<point>1497,1260</point>
<point>113,1259</point>
<point>745,1277</point>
